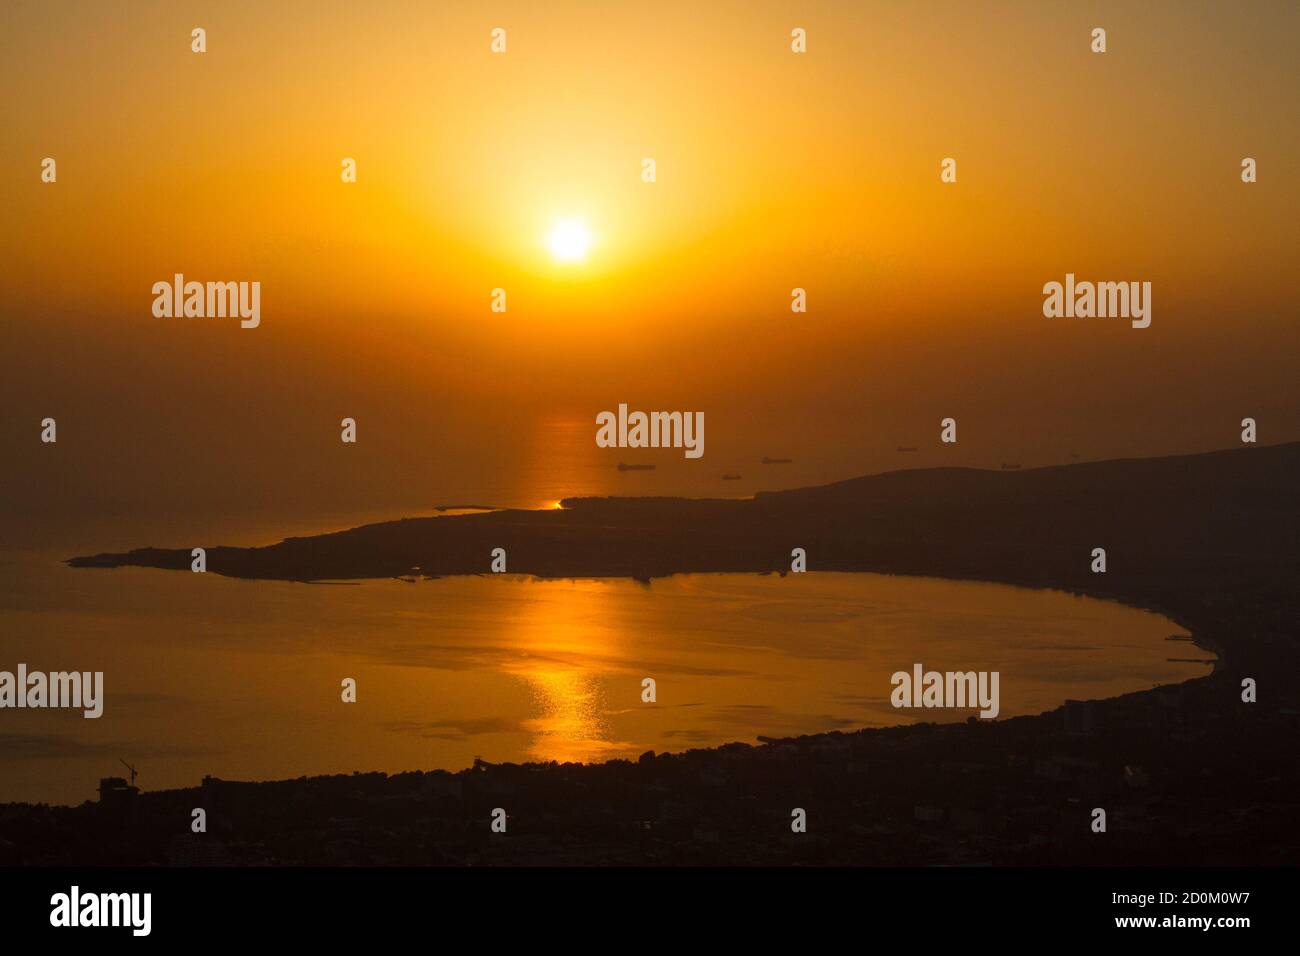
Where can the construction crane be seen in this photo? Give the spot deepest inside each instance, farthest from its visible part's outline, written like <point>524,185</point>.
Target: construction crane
<point>129,767</point>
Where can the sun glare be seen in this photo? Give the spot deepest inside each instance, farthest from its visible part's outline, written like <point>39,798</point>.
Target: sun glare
<point>569,240</point>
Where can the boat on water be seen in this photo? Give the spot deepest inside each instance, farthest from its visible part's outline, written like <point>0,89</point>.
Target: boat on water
<point>776,461</point>
<point>731,477</point>
<point>906,448</point>
<point>624,467</point>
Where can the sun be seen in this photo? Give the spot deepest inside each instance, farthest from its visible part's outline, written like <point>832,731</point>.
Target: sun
<point>569,240</point>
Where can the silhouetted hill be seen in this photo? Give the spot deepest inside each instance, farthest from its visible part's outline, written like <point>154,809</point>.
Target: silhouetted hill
<point>1161,521</point>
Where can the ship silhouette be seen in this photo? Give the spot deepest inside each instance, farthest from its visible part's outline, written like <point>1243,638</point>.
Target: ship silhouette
<point>624,467</point>
<point>776,461</point>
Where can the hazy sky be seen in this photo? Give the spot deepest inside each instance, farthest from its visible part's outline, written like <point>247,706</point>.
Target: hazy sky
<point>774,170</point>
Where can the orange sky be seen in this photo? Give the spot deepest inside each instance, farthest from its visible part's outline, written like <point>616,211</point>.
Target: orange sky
<point>775,170</point>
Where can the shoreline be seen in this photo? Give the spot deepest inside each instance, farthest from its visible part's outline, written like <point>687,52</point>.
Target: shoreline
<point>1207,541</point>
<point>767,734</point>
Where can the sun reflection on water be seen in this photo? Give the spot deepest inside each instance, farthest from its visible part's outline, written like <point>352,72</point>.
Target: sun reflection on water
<point>563,640</point>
